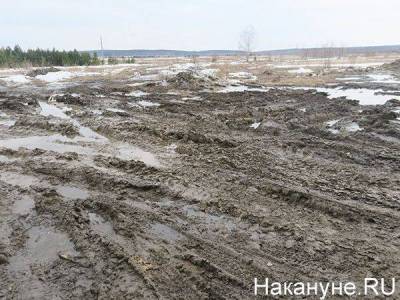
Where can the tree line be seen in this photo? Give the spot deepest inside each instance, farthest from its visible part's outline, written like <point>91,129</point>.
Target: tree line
<point>16,57</point>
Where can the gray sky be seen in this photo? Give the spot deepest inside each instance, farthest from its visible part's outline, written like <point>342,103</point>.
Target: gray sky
<point>197,24</point>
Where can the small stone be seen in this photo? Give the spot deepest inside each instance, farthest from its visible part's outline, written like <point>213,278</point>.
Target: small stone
<point>3,259</point>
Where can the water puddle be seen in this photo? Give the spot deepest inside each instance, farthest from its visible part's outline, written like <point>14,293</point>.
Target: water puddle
<point>72,193</point>
<point>61,144</point>
<point>139,205</point>
<point>57,143</point>
<point>129,152</point>
<point>18,179</point>
<point>42,248</point>
<point>23,206</point>
<point>101,226</point>
<point>212,221</point>
<point>48,110</point>
<point>165,232</point>
<point>106,230</point>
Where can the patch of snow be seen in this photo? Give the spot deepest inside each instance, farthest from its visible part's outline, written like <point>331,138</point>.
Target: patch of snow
<point>349,78</point>
<point>62,75</point>
<point>338,65</point>
<point>353,127</point>
<point>137,83</point>
<point>365,96</point>
<point>7,123</point>
<point>148,103</point>
<point>116,110</point>
<point>168,73</point>
<point>383,78</point>
<point>241,88</point>
<point>301,71</point>
<point>208,72</point>
<point>137,94</point>
<point>240,75</point>
<point>255,125</point>
<point>148,77</point>
<point>16,79</point>
<point>331,123</point>
<point>196,98</point>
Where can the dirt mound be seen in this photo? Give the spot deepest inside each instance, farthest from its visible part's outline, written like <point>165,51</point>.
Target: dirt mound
<point>393,66</point>
<point>42,71</point>
<point>189,80</point>
<point>73,98</point>
<point>16,103</point>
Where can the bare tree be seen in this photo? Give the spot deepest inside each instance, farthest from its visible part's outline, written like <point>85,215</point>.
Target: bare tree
<point>247,41</point>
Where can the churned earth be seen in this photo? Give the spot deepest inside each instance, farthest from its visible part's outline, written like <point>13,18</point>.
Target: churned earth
<point>189,187</point>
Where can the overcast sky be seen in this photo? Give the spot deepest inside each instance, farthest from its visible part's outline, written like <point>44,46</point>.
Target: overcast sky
<point>197,24</point>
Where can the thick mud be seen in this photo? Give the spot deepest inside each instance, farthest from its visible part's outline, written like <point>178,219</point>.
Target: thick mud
<point>120,190</point>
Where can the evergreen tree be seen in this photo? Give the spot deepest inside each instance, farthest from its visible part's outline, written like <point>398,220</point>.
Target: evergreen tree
<point>40,58</point>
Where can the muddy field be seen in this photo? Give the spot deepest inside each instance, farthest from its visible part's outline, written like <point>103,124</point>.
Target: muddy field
<point>127,186</point>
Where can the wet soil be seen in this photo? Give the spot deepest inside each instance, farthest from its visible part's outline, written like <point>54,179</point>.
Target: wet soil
<point>188,199</point>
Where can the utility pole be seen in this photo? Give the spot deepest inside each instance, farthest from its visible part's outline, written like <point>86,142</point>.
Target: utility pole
<point>101,46</point>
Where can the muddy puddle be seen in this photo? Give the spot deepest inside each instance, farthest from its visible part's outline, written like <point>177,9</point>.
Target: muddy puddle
<point>140,205</point>
<point>72,192</point>
<point>105,229</point>
<point>57,143</point>
<point>23,206</point>
<point>17,179</point>
<point>62,144</point>
<point>165,233</point>
<point>88,143</point>
<point>212,221</point>
<point>129,152</point>
<point>53,111</point>
<point>43,247</point>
